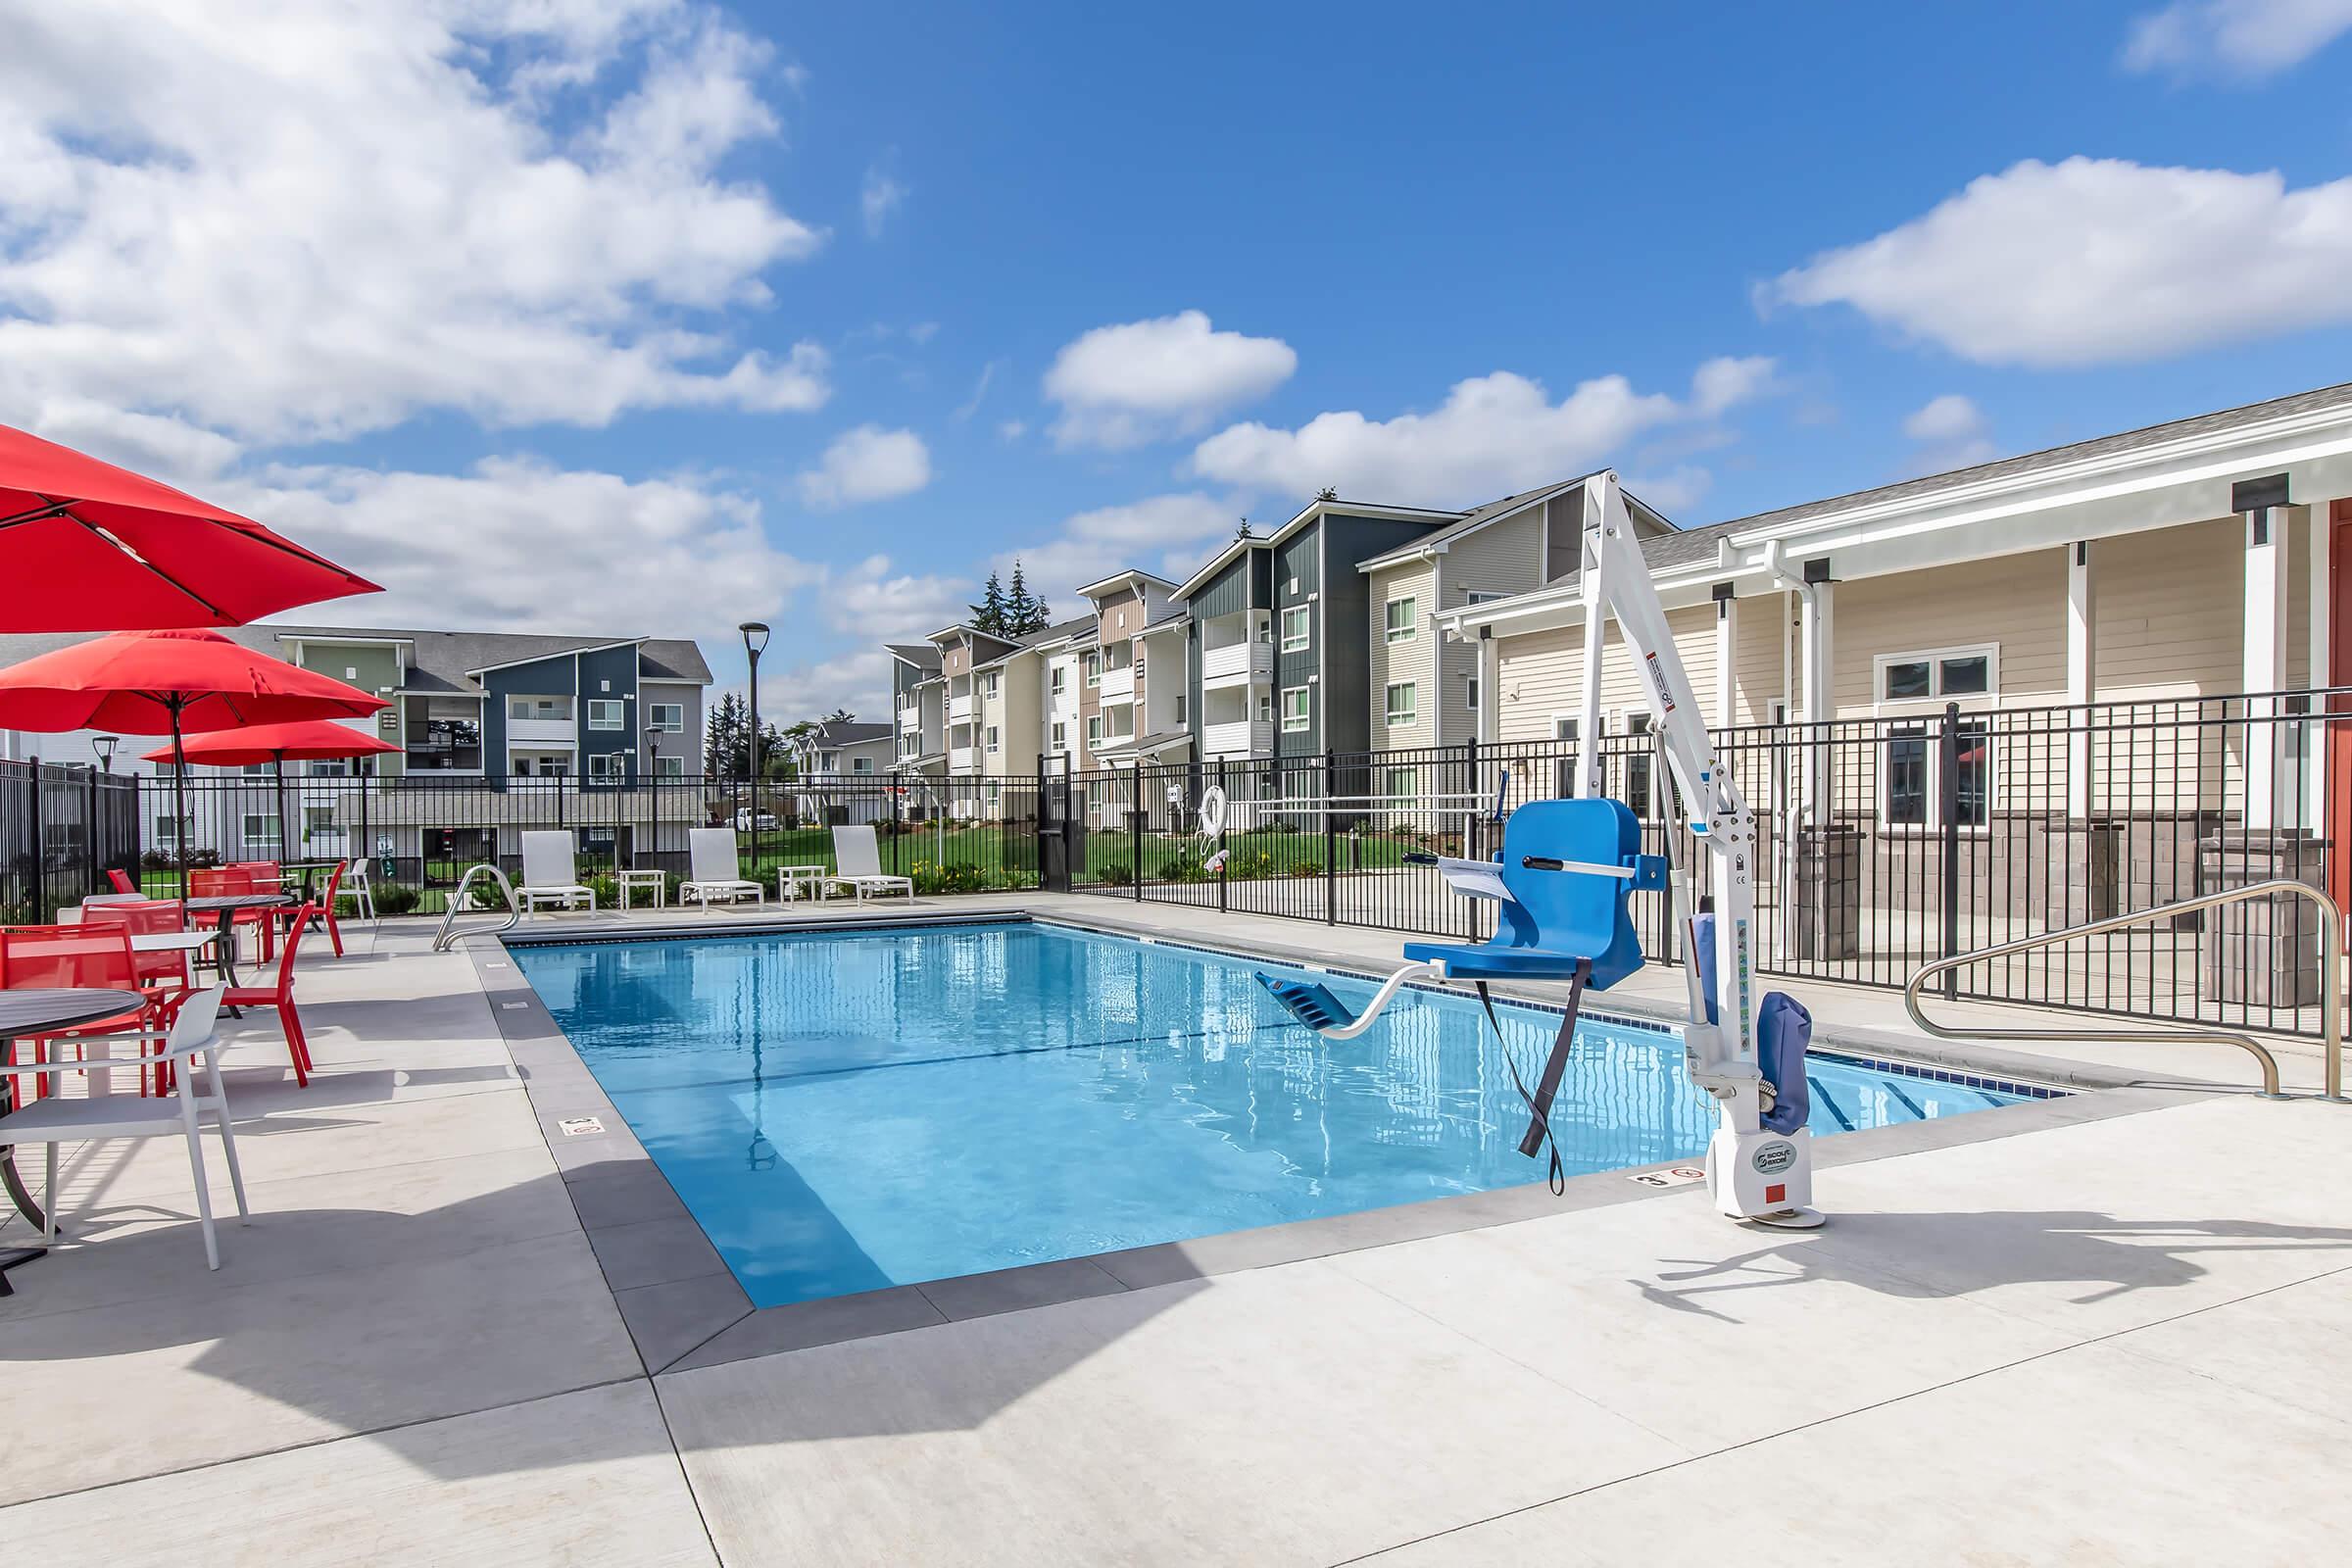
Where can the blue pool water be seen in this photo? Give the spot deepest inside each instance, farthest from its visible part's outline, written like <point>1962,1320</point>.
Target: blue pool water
<point>847,1110</point>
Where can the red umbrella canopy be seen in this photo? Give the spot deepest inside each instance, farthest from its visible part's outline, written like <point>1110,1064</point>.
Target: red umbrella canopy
<point>91,546</point>
<point>137,682</point>
<point>303,741</point>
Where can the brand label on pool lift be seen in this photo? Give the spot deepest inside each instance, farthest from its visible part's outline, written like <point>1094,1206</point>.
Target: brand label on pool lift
<point>1773,1159</point>
<point>1657,678</point>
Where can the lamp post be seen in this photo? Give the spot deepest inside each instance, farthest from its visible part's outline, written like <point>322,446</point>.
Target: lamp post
<point>754,643</point>
<point>104,746</point>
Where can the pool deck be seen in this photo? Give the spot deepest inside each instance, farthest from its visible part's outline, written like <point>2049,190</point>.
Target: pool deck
<point>2116,1327</point>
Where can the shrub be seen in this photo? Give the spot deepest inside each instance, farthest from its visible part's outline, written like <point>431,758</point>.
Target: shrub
<point>960,876</point>
<point>1250,864</point>
<point>1306,868</point>
<point>1118,876</point>
<point>395,897</point>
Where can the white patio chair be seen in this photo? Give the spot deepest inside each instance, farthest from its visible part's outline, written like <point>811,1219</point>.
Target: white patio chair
<point>71,1119</point>
<point>548,873</point>
<point>717,873</point>
<point>858,864</point>
<point>361,892</point>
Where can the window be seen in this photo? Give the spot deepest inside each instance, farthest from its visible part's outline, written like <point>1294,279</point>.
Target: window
<point>1295,710</point>
<point>865,765</point>
<point>605,715</point>
<point>1265,631</point>
<point>1563,770</point>
<point>1636,765</point>
<point>1061,737</point>
<point>1180,708</point>
<point>1265,709</point>
<point>604,765</point>
<point>1094,669</point>
<point>1911,791</point>
<point>1938,674</point>
<point>988,683</point>
<point>1403,619</point>
<point>667,718</point>
<point>1470,691</point>
<point>1403,783</point>
<point>1294,630</point>
<point>1485,596</point>
<point>669,767</point>
<point>1094,731</point>
<point>317,822</point>
<point>557,709</point>
<point>991,740</point>
<point>256,770</point>
<point>261,830</point>
<point>1056,679</point>
<point>167,829</point>
<point>1402,703</point>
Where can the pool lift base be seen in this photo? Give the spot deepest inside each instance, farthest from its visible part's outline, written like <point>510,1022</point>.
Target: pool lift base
<point>1564,876</point>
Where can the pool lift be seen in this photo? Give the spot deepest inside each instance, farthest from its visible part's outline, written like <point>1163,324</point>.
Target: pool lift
<point>1564,878</point>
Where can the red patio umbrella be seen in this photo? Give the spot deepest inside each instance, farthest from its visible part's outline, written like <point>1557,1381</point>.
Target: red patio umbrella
<point>169,683</point>
<point>86,545</point>
<point>301,741</point>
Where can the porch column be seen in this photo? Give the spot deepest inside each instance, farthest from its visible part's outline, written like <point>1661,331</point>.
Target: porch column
<point>1727,640</point>
<point>1490,686</point>
<point>2318,559</point>
<point>1817,638</point>
<point>2081,674</point>
<point>2264,663</point>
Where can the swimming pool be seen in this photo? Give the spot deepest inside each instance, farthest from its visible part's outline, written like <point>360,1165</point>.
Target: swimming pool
<point>845,1111</point>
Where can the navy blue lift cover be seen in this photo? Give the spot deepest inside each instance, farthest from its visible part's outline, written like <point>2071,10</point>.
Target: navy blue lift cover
<point>1784,1032</point>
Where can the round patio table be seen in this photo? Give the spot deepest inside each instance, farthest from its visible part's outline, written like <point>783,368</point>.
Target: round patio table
<point>40,1011</point>
<point>226,906</point>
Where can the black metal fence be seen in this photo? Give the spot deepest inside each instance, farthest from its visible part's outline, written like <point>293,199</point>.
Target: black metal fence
<point>62,827</point>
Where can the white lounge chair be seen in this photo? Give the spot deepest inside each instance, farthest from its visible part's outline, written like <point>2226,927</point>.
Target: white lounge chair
<point>548,873</point>
<point>72,1119</point>
<point>717,873</point>
<point>858,864</point>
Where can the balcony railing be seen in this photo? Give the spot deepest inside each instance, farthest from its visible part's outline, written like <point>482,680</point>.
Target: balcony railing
<point>910,717</point>
<point>960,708</point>
<point>1237,664</point>
<point>963,758</point>
<point>526,731</point>
<point>1118,685</point>
<point>1242,737</point>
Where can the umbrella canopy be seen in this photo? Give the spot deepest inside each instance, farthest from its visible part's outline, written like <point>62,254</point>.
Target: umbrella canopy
<point>86,546</point>
<point>169,683</point>
<point>304,741</point>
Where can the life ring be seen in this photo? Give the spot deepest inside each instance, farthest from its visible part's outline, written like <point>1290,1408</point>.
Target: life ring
<point>1212,811</point>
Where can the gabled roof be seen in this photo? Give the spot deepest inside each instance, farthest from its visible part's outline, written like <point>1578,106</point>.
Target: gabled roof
<point>1360,508</point>
<point>1217,562</point>
<point>919,656</point>
<point>851,732</point>
<point>1120,580</point>
<point>1060,631</point>
<point>1494,512</point>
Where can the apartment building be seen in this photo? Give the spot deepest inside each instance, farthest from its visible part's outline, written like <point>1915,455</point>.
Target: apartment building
<point>1135,690</point>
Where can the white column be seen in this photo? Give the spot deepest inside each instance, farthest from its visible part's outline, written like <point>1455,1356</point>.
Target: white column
<point>2081,674</point>
<point>1490,686</point>
<point>2264,667</point>
<point>1817,637</point>
<point>1727,640</point>
<point>2318,559</point>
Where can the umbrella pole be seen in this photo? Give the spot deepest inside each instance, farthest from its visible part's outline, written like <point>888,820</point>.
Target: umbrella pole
<point>280,761</point>
<point>180,793</point>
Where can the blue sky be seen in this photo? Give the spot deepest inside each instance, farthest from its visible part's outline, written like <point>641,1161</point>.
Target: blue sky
<point>650,314</point>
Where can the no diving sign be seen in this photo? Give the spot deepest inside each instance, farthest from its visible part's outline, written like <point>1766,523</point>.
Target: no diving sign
<point>581,1126</point>
<point>1671,1176</point>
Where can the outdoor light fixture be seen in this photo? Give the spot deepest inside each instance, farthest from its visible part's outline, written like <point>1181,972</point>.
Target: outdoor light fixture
<point>104,746</point>
<point>755,642</point>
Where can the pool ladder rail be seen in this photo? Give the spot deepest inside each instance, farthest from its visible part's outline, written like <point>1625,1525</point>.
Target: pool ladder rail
<point>2332,984</point>
<point>446,938</point>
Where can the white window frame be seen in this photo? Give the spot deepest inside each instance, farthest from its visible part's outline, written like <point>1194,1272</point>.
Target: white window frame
<point>666,766</point>
<point>608,765</point>
<point>1389,790</point>
<point>991,740</point>
<point>1057,679</point>
<point>1296,644</point>
<point>272,838</point>
<point>1485,596</point>
<point>1934,659</point>
<point>1410,713</point>
<point>675,725</point>
<point>1094,731</point>
<point>1092,664</point>
<point>608,714</point>
<point>1470,691</point>
<point>1927,712</point>
<point>988,683</point>
<point>1413,618</point>
<point>1304,720</point>
<point>1058,737</point>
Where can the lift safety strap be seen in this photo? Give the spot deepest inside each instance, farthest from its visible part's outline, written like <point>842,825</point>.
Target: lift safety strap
<point>1547,1085</point>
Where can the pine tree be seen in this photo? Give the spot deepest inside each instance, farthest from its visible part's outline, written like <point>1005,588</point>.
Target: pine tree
<point>724,739</point>
<point>1023,613</point>
<point>989,615</point>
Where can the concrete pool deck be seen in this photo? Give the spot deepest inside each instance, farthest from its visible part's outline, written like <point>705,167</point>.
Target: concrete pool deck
<point>2114,1328</point>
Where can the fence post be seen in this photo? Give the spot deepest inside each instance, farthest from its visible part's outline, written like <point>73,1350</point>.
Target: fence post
<point>1472,848</point>
<point>1331,840</point>
<point>91,860</point>
<point>40,850</point>
<point>1224,867</point>
<point>1948,803</point>
<point>1135,824</point>
<point>1072,874</point>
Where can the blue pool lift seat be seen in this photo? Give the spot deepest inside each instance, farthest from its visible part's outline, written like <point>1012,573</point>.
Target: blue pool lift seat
<point>1555,921</point>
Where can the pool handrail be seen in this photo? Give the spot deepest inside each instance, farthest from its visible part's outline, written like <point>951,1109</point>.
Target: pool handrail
<point>443,939</point>
<point>2332,973</point>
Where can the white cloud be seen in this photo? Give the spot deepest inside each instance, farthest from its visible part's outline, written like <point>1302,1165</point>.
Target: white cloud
<point>1493,435</point>
<point>522,546</point>
<point>1012,429</point>
<point>1952,432</point>
<point>1168,535</point>
<point>868,464</point>
<point>874,600</point>
<point>971,404</point>
<point>879,197</point>
<point>297,227</point>
<point>1121,387</point>
<point>2096,261</point>
<point>2240,39</point>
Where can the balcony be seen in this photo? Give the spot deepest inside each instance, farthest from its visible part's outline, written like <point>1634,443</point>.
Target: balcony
<point>1237,664</point>
<point>960,708</point>
<point>1242,737</point>
<point>541,731</point>
<point>964,759</point>
<point>910,719</point>
<point>1118,685</point>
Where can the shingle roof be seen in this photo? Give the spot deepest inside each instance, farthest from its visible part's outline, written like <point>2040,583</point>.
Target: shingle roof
<point>443,659</point>
<point>923,655</point>
<point>852,732</point>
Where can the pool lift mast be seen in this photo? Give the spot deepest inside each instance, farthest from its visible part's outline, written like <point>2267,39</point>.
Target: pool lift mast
<point>1755,1171</point>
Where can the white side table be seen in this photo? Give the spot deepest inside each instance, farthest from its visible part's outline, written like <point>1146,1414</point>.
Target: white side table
<point>658,881</point>
<point>790,878</point>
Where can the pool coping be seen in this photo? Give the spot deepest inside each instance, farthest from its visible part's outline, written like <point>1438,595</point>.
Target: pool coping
<point>684,1309</point>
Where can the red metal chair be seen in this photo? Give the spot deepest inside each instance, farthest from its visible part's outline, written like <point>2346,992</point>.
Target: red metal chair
<point>120,879</point>
<point>95,957</point>
<point>281,996</point>
<point>228,880</point>
<point>324,908</point>
<point>168,971</point>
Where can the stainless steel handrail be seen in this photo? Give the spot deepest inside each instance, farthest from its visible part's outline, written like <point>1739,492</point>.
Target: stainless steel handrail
<point>443,941</point>
<point>2332,981</point>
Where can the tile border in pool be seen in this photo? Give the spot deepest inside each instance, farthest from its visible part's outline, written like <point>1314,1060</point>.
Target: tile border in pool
<point>684,1310</point>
